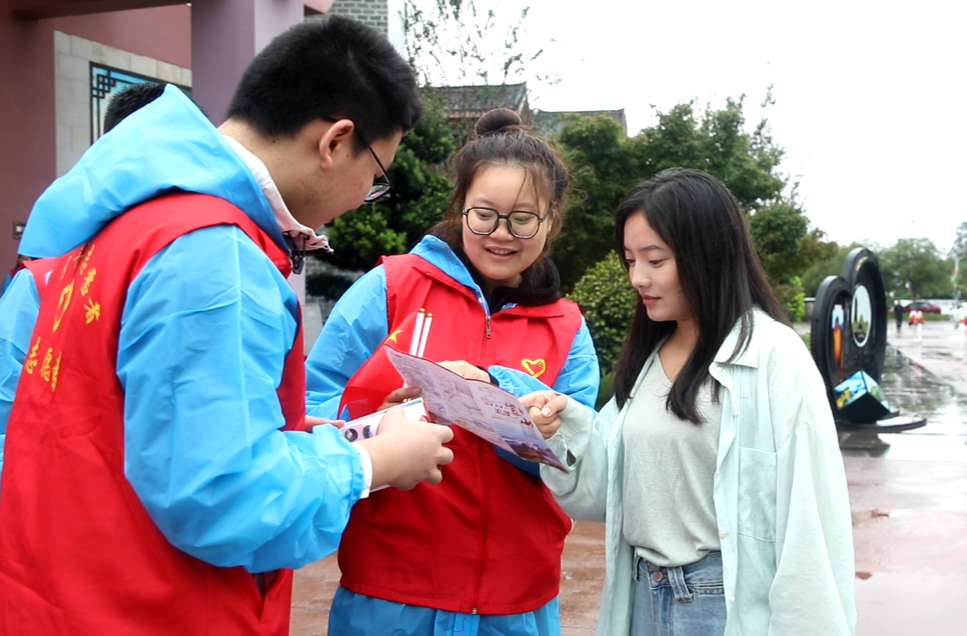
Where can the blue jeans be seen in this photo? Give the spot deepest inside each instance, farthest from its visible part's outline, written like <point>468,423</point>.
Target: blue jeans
<point>359,615</point>
<point>679,601</point>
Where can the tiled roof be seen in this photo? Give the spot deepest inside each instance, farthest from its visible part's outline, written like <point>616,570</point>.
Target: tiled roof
<point>549,121</point>
<point>473,101</point>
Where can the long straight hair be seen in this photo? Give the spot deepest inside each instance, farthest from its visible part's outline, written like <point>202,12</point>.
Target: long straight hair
<point>718,270</point>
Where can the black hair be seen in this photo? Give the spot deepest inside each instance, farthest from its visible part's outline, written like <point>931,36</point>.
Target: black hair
<point>500,139</point>
<point>718,270</point>
<point>328,68</point>
<point>134,97</point>
<point>129,100</point>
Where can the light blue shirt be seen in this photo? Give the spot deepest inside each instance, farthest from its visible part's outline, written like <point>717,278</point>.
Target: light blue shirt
<point>780,493</point>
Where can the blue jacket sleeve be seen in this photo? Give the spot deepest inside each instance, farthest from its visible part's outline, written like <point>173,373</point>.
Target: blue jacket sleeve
<point>356,326</point>
<point>206,327</point>
<point>579,378</point>
<point>18,313</point>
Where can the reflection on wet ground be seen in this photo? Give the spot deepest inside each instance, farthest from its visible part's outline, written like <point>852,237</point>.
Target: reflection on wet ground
<point>912,390</point>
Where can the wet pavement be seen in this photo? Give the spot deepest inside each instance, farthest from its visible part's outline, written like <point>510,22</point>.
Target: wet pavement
<point>909,496</point>
<point>909,499</point>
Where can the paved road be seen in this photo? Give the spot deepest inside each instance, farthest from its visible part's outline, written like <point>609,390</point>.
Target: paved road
<point>909,502</point>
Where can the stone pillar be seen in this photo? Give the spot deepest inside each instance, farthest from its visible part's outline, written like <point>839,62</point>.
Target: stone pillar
<point>225,36</point>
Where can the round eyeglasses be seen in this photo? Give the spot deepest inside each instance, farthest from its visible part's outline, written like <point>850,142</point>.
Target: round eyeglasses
<point>484,221</point>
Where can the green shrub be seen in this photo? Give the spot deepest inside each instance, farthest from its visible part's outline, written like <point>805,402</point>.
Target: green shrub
<point>327,285</point>
<point>792,298</point>
<point>608,301</point>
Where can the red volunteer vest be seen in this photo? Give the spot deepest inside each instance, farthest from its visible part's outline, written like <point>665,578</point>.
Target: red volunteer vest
<point>79,553</point>
<point>488,539</point>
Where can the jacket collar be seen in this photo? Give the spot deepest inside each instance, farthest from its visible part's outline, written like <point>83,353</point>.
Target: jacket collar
<point>749,355</point>
<point>168,145</point>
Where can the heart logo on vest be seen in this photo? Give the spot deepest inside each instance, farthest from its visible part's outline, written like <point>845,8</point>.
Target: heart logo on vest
<point>535,367</point>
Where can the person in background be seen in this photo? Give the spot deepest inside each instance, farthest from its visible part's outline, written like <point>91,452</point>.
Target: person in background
<point>481,552</point>
<point>18,312</point>
<point>9,276</point>
<point>126,101</point>
<point>162,398</point>
<point>716,466</point>
<point>898,315</point>
<point>916,319</point>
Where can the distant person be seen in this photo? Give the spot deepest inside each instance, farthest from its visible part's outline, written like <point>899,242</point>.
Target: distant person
<point>716,467</point>
<point>18,311</point>
<point>160,475</point>
<point>898,316</point>
<point>126,101</point>
<point>916,319</point>
<point>9,276</point>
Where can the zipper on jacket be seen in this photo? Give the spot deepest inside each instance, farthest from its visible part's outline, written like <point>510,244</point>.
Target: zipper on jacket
<point>488,326</point>
<point>485,524</point>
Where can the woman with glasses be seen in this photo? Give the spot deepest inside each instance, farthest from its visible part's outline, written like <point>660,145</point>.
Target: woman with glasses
<point>480,552</point>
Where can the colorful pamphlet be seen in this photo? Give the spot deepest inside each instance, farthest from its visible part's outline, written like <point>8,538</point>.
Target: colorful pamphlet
<point>480,407</point>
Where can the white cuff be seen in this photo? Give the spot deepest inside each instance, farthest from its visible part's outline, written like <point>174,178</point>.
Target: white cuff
<point>367,462</point>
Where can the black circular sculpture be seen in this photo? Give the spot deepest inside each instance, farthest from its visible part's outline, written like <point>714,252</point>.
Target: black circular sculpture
<point>848,334</point>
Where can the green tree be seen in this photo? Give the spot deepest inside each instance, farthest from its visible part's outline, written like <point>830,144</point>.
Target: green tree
<point>787,249</point>
<point>607,301</point>
<point>959,248</point>
<point>419,197</point>
<point>915,268</point>
<point>604,166</point>
<point>455,42</point>
<point>959,255</point>
<point>831,265</point>
<point>717,143</point>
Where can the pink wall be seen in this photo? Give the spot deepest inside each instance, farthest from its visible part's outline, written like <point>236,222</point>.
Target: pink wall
<point>27,119</point>
<point>27,135</point>
<point>163,33</point>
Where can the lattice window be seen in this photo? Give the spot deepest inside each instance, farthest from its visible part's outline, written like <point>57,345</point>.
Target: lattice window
<point>105,82</point>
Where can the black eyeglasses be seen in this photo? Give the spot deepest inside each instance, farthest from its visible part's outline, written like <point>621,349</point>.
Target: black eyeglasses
<point>380,188</point>
<point>484,221</point>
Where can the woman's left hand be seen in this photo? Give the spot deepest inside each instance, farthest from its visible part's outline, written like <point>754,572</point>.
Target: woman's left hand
<point>545,408</point>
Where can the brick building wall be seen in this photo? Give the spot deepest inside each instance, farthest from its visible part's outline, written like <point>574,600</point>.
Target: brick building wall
<point>383,15</point>
<point>374,13</point>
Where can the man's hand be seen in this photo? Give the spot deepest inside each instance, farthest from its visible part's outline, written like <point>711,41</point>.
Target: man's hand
<point>404,452</point>
<point>545,408</point>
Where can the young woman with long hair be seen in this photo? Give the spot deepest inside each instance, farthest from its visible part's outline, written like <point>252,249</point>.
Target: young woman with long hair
<point>716,466</point>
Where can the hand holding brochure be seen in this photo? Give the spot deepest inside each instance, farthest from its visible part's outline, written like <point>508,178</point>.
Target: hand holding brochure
<point>483,409</point>
<point>366,426</point>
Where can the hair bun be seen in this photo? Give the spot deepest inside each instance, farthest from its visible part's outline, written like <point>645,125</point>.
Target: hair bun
<point>496,121</point>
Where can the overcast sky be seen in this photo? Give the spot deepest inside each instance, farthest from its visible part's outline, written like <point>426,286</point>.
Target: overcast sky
<point>869,96</point>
